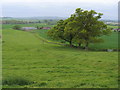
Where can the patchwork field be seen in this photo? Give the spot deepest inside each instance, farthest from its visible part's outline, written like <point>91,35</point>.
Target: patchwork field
<point>28,61</point>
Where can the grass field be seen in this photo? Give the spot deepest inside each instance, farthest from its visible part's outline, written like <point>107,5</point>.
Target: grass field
<point>112,26</point>
<point>28,61</point>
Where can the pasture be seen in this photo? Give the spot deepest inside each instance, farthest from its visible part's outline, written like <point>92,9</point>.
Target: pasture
<point>110,26</point>
<point>28,61</point>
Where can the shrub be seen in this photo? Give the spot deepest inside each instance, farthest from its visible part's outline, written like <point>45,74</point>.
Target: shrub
<point>42,84</point>
<point>17,27</point>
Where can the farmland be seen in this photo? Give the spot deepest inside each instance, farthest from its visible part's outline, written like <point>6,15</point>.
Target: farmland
<point>28,61</point>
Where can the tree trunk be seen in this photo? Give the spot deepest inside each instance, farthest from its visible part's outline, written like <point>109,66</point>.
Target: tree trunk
<point>86,46</point>
<point>79,45</point>
<point>70,43</point>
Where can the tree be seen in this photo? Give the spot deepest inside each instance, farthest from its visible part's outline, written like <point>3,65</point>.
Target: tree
<point>89,26</point>
<point>17,27</point>
<point>46,21</point>
<point>82,28</point>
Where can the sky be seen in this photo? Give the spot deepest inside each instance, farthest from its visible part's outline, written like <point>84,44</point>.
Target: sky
<point>59,8</point>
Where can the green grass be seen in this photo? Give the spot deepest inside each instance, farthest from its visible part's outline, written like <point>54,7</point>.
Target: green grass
<point>13,80</point>
<point>110,26</point>
<point>42,33</point>
<point>110,42</point>
<point>54,66</point>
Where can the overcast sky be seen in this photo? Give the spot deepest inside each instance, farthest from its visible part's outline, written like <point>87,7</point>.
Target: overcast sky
<point>60,8</point>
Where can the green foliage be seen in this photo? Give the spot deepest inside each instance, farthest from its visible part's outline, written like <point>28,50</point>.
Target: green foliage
<point>83,27</point>
<point>57,31</point>
<point>17,27</point>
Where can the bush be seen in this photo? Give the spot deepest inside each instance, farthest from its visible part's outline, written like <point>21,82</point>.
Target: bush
<point>42,84</point>
<point>16,81</point>
<point>17,27</point>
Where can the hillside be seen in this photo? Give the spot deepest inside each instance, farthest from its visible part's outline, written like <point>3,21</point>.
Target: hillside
<point>30,62</point>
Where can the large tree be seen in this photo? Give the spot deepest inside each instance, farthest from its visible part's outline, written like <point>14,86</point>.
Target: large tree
<point>89,27</point>
<point>82,28</point>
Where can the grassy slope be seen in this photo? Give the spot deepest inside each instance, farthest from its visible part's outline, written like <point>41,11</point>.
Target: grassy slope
<point>110,42</point>
<point>50,65</point>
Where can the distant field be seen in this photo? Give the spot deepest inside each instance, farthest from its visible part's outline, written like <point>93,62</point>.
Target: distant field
<point>28,61</point>
<point>112,26</point>
<point>8,26</point>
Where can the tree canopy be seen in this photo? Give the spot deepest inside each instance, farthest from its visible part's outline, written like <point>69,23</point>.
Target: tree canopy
<point>82,28</point>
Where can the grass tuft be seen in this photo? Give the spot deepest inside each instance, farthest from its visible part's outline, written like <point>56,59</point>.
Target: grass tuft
<point>16,81</point>
<point>42,84</point>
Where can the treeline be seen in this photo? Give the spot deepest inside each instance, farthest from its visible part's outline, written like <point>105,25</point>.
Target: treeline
<point>14,22</point>
<point>48,22</point>
<point>81,29</point>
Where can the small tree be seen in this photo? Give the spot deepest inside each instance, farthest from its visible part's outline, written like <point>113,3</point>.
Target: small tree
<point>17,27</point>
